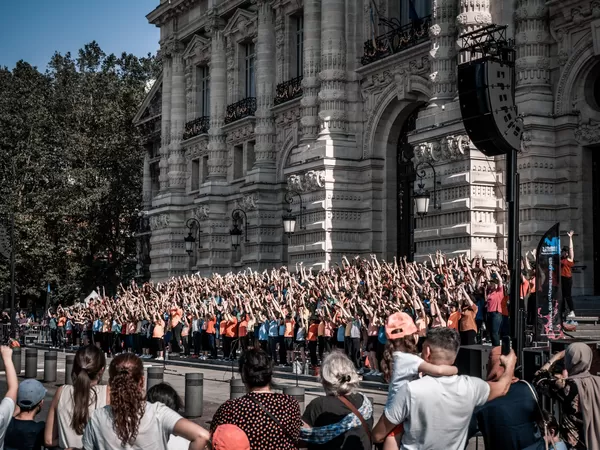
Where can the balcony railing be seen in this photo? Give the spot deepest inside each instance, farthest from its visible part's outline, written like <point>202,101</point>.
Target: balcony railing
<point>399,38</point>
<point>195,127</point>
<point>241,109</point>
<point>288,90</point>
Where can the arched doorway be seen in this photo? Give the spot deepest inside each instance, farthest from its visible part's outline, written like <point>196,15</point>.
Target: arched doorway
<point>405,183</point>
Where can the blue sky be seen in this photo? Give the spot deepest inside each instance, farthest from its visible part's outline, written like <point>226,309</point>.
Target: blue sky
<point>33,30</point>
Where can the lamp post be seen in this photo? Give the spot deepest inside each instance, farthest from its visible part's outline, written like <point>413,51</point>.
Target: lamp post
<point>190,240</point>
<point>289,220</point>
<point>236,232</point>
<point>422,196</point>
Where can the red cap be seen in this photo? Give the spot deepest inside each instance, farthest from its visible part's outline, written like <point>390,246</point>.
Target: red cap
<point>399,325</point>
<point>230,437</point>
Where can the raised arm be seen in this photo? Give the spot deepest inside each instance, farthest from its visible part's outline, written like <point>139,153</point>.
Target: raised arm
<point>571,252</point>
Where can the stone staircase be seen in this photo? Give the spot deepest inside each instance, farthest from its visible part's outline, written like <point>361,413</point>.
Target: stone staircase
<point>588,317</point>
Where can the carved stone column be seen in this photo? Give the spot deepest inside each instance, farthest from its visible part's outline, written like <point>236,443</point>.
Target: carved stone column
<point>177,166</point>
<point>332,112</point>
<point>165,121</point>
<point>532,63</point>
<point>472,15</point>
<point>146,183</point>
<point>443,52</point>
<point>190,91</point>
<point>311,69</point>
<point>265,87</point>
<point>217,159</point>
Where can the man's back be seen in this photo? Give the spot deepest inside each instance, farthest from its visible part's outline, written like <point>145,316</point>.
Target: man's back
<point>436,411</point>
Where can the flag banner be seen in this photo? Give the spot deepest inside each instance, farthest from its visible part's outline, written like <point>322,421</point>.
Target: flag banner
<point>547,280</point>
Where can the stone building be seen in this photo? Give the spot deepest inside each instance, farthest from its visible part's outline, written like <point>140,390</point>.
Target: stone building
<point>342,103</point>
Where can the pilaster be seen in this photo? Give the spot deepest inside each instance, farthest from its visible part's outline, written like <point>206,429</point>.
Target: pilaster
<point>332,95</point>
<point>146,184</point>
<point>533,90</point>
<point>443,52</point>
<point>217,160</point>
<point>472,15</point>
<point>311,70</point>
<point>177,164</point>
<point>265,85</point>
<point>165,120</point>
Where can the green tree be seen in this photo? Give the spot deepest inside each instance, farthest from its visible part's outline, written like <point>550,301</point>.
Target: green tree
<point>71,170</point>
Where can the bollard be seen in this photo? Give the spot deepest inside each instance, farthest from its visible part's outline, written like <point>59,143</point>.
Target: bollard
<point>155,376</point>
<point>297,393</point>
<point>194,394</point>
<point>69,359</point>
<point>237,388</point>
<point>31,357</point>
<point>16,359</point>
<point>50,361</point>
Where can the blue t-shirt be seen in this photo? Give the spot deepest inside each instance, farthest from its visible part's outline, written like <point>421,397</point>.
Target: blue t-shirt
<point>341,334</point>
<point>381,337</point>
<point>273,328</point>
<point>97,326</point>
<point>281,330</point>
<point>263,331</point>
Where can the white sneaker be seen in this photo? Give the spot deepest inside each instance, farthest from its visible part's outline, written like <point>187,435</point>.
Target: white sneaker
<point>571,315</point>
<point>160,358</point>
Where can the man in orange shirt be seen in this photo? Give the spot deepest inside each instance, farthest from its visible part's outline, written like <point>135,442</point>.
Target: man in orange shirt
<point>567,261</point>
<point>230,334</point>
<point>211,344</point>
<point>311,337</point>
<point>288,338</point>
<point>176,314</point>
<point>243,332</point>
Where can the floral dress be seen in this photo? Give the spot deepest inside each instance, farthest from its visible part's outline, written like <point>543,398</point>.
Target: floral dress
<point>566,393</point>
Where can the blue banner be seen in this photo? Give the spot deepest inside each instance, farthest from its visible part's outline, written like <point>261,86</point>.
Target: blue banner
<point>547,281</point>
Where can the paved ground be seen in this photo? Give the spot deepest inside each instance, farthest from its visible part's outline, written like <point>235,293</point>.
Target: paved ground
<point>216,387</point>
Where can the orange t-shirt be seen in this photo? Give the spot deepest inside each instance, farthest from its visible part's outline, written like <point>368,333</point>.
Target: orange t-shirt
<point>524,288</point>
<point>454,319</point>
<point>159,329</point>
<point>505,305</point>
<point>467,320</point>
<point>321,331</point>
<point>222,324</point>
<point>243,328</point>
<point>313,331</point>
<point>565,268</point>
<point>176,315</point>
<point>289,328</point>
<point>210,326</point>
<point>230,327</point>
<point>62,321</point>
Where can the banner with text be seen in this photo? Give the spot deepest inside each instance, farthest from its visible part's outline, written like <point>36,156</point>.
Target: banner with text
<point>547,280</point>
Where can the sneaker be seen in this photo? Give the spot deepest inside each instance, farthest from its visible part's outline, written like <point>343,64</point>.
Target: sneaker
<point>571,315</point>
<point>160,358</point>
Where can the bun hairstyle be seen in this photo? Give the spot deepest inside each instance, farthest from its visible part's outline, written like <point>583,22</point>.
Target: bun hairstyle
<point>338,374</point>
<point>127,398</point>
<point>88,366</point>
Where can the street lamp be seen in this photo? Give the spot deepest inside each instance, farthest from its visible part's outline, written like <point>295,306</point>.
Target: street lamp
<point>422,196</point>
<point>289,220</point>
<point>190,240</point>
<point>235,232</point>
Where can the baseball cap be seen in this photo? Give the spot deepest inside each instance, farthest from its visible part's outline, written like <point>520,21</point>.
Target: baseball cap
<point>230,437</point>
<point>31,392</point>
<point>399,325</point>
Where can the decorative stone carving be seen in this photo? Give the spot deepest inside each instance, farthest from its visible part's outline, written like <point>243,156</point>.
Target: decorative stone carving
<point>311,181</point>
<point>588,133</point>
<point>241,134</point>
<point>159,221</point>
<point>202,212</point>
<point>455,146</point>
<point>247,202</point>
<point>295,183</point>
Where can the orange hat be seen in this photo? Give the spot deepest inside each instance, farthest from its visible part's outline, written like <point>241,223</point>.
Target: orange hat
<point>230,437</point>
<point>399,325</point>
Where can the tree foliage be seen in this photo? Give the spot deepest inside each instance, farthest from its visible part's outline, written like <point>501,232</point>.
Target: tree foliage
<point>71,170</point>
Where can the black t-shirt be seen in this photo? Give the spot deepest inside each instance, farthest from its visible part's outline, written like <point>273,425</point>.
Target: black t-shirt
<point>508,422</point>
<point>24,435</point>
<point>329,410</point>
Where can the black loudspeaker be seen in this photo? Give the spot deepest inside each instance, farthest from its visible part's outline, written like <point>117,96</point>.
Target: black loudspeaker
<point>487,106</point>
<point>533,360</point>
<point>473,360</point>
<point>558,345</point>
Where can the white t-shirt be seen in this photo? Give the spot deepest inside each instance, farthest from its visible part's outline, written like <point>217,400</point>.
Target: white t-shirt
<point>436,411</point>
<point>7,409</point>
<point>405,368</point>
<point>178,443</point>
<point>155,429</point>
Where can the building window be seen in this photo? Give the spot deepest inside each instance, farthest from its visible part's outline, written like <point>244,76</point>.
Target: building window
<point>204,169</point>
<point>154,177</point>
<point>299,45</point>
<point>204,90</point>
<point>250,158</point>
<point>195,174</point>
<point>250,57</point>
<point>238,162</point>
<point>413,10</point>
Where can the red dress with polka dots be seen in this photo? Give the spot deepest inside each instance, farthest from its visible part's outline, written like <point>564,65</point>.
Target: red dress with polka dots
<point>263,433</point>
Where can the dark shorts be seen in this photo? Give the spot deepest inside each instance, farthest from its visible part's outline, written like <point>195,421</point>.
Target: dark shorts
<point>289,343</point>
<point>301,344</point>
<point>372,342</point>
<point>159,344</point>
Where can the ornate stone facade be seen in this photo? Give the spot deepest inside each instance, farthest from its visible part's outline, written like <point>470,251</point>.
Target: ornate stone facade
<point>292,111</point>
